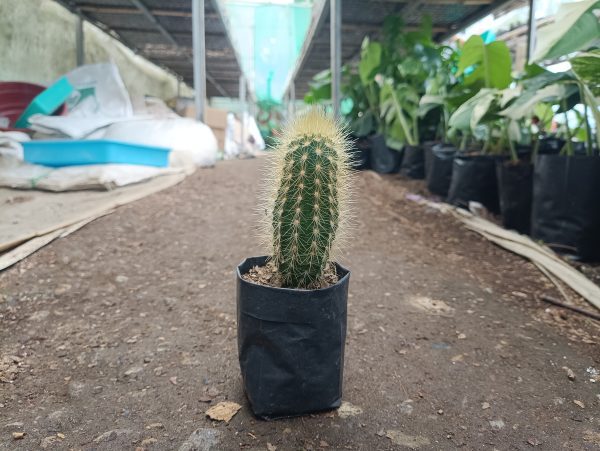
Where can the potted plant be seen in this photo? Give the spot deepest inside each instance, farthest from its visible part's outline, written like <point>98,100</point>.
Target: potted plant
<point>291,305</point>
<point>415,58</point>
<point>487,70</point>
<point>354,104</point>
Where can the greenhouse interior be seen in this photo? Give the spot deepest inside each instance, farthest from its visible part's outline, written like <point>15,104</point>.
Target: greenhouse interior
<point>299,224</point>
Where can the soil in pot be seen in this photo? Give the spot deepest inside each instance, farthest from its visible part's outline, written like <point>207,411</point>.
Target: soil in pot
<point>566,210</point>
<point>413,162</point>
<point>515,189</point>
<point>439,168</point>
<point>383,159</point>
<point>291,344</point>
<point>360,152</point>
<point>474,179</point>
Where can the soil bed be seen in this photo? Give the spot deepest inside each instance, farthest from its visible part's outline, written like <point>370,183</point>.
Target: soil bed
<point>123,334</point>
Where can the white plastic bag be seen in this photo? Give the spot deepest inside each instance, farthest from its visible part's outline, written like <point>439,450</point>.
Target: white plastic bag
<point>99,91</point>
<point>181,135</point>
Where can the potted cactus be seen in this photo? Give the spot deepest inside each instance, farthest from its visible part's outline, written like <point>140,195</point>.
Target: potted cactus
<point>291,305</point>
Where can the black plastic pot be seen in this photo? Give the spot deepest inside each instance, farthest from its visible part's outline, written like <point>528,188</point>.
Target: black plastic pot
<point>440,161</point>
<point>515,189</point>
<point>360,152</point>
<point>566,209</point>
<point>383,159</point>
<point>550,145</point>
<point>474,179</point>
<point>291,345</point>
<point>413,162</point>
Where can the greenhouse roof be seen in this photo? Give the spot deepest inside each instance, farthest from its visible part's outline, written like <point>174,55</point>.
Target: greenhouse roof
<point>362,18</point>
<point>162,33</point>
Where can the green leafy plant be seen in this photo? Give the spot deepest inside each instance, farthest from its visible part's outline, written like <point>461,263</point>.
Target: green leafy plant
<point>577,29</point>
<point>309,210</point>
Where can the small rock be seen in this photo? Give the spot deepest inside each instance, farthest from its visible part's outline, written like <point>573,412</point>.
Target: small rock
<point>109,436</point>
<point>323,444</point>
<point>76,389</point>
<point>97,389</point>
<point>16,425</point>
<point>121,278</point>
<point>485,405</point>
<point>155,426</point>
<point>158,371</point>
<point>271,447</point>
<point>570,373</point>
<point>380,433</point>
<point>48,442</point>
<point>149,441</point>
<point>579,403</point>
<point>173,380</point>
<point>534,441</point>
<point>133,371</point>
<point>461,336</point>
<point>39,315</point>
<point>213,392</point>
<point>18,435</point>
<point>440,412</point>
<point>409,441</point>
<point>203,439</point>
<point>497,424</point>
<point>348,410</point>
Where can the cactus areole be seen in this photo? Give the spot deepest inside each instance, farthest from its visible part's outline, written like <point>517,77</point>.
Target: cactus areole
<point>308,209</point>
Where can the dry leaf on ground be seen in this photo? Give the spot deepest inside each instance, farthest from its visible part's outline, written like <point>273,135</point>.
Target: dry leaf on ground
<point>224,411</point>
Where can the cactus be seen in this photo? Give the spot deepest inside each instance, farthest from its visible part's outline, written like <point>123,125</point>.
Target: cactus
<point>309,199</point>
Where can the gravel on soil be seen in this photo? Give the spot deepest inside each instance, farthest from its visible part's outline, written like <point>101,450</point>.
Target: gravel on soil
<point>122,335</point>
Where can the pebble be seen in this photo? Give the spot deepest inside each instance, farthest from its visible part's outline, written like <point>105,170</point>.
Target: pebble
<point>497,424</point>
<point>133,371</point>
<point>203,439</point>
<point>121,278</point>
<point>18,435</point>
<point>155,426</point>
<point>97,389</point>
<point>109,436</point>
<point>14,425</point>
<point>485,405</point>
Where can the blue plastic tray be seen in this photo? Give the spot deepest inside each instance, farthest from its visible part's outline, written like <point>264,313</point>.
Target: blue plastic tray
<point>58,153</point>
<point>46,102</point>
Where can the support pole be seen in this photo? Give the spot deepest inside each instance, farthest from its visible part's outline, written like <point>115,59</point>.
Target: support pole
<point>242,90</point>
<point>335,25</point>
<point>292,105</point>
<point>199,51</point>
<point>79,42</point>
<point>531,31</point>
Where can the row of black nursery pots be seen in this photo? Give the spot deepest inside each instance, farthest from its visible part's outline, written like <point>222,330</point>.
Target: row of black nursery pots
<point>553,200</point>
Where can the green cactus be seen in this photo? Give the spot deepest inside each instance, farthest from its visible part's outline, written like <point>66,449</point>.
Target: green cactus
<point>309,208</point>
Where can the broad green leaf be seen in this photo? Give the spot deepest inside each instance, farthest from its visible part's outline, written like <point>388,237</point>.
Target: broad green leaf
<point>491,62</point>
<point>482,107</point>
<point>525,105</point>
<point>509,94</point>
<point>462,118</point>
<point>577,28</point>
<point>370,60</point>
<point>587,68</point>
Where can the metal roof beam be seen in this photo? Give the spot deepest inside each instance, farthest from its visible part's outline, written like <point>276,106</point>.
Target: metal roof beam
<point>138,4</point>
<point>130,11</point>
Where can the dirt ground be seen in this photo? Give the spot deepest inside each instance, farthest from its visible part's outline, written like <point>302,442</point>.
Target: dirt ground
<point>122,335</point>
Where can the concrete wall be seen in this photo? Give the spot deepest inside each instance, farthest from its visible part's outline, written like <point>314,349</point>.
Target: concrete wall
<point>37,44</point>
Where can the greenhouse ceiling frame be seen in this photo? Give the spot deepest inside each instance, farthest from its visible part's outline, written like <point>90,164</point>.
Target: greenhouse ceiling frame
<point>330,43</point>
<point>188,38</point>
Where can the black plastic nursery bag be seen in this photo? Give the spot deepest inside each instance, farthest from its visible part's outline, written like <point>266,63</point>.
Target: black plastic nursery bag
<point>383,159</point>
<point>515,188</point>
<point>291,345</point>
<point>439,168</point>
<point>474,179</point>
<point>566,204</point>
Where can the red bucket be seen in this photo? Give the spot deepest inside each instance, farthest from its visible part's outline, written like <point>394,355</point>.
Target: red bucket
<point>15,96</point>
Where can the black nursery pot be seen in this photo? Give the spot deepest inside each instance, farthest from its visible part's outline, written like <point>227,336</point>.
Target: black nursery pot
<point>474,179</point>
<point>360,152</point>
<point>566,211</point>
<point>515,189</point>
<point>291,345</point>
<point>440,160</point>
<point>383,159</point>
<point>413,162</point>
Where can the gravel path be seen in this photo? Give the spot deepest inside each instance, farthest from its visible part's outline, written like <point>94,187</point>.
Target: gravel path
<point>122,335</point>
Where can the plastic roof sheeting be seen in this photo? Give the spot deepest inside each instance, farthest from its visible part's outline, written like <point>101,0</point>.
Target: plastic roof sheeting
<point>362,18</point>
<point>167,42</point>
